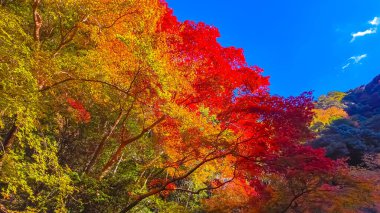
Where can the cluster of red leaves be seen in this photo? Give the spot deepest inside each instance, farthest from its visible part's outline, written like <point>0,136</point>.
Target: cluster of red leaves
<point>283,125</point>
<point>171,186</point>
<point>215,183</point>
<point>81,113</point>
<point>220,70</point>
<point>157,183</point>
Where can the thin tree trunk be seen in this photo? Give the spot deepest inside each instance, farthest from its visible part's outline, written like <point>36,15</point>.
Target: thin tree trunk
<point>8,141</point>
<point>3,209</point>
<point>118,163</point>
<point>37,20</point>
<point>100,148</point>
<point>9,138</point>
<point>119,150</point>
<point>112,161</point>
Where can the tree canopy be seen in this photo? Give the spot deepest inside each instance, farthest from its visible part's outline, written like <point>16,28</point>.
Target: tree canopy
<point>116,106</point>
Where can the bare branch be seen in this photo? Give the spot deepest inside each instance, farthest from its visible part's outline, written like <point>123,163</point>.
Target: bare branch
<point>85,80</point>
<point>163,187</point>
<point>207,188</point>
<point>37,20</point>
<point>119,151</point>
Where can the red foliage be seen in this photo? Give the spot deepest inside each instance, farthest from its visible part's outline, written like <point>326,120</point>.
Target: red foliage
<point>171,186</point>
<point>215,183</point>
<point>220,71</point>
<point>278,126</point>
<point>272,129</point>
<point>82,114</point>
<point>157,183</point>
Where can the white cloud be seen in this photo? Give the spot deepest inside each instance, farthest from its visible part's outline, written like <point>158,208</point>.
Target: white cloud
<point>358,58</point>
<point>345,66</point>
<point>375,21</point>
<point>364,33</point>
<point>355,60</point>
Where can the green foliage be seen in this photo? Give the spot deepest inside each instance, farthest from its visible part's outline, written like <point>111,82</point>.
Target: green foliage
<point>334,98</point>
<point>30,172</point>
<point>17,83</point>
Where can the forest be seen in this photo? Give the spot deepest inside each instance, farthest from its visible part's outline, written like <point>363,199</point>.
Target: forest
<point>117,106</point>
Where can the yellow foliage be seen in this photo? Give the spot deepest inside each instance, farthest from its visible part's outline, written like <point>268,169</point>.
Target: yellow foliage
<point>327,116</point>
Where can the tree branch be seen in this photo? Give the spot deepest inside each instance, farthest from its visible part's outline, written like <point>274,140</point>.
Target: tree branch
<point>163,187</point>
<point>85,80</point>
<point>102,143</point>
<point>206,188</point>
<point>119,151</point>
<point>37,20</point>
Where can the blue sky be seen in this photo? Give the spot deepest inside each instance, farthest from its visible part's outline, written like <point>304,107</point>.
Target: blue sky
<point>302,45</point>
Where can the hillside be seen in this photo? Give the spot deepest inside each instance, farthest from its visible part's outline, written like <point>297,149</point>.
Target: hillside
<point>357,133</point>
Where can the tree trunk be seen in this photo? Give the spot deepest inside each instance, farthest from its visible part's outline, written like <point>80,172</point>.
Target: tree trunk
<point>118,163</point>
<point>8,142</point>
<point>114,158</point>
<point>3,209</point>
<point>119,150</point>
<point>100,148</point>
<point>37,20</point>
<point>9,138</point>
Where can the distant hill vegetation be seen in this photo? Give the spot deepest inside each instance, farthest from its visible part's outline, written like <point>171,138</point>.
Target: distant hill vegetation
<point>348,123</point>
